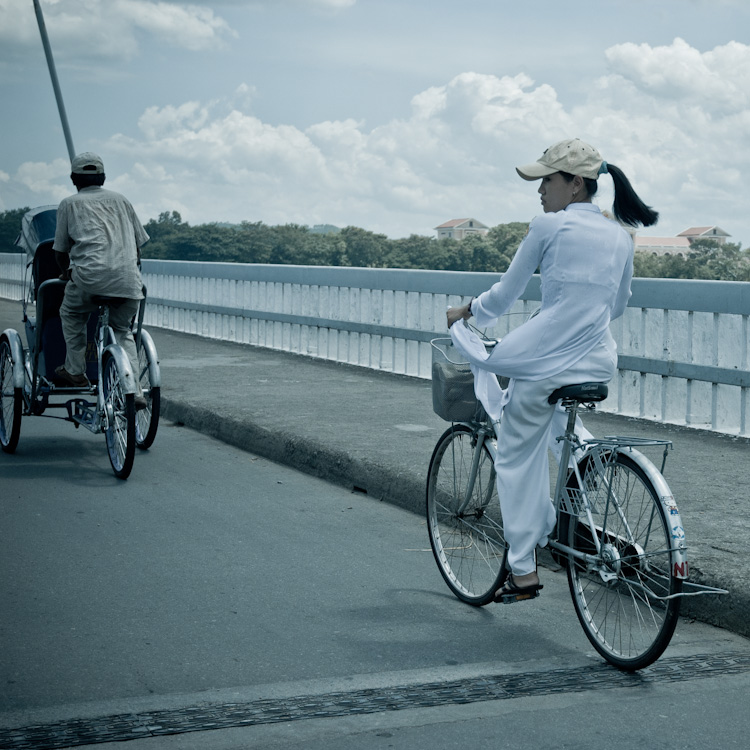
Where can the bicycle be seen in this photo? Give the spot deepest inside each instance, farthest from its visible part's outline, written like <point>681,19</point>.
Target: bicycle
<point>29,385</point>
<point>618,532</point>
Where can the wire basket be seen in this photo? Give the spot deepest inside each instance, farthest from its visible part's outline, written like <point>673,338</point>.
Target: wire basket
<point>453,397</point>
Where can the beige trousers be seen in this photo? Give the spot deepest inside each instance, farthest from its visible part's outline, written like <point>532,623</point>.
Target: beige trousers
<point>74,314</point>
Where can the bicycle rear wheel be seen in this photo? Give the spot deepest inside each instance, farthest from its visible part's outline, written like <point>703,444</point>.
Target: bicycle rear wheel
<point>147,420</point>
<point>466,537</point>
<point>622,599</point>
<point>11,401</point>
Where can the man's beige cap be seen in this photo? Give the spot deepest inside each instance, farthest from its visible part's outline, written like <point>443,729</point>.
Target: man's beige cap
<point>87,163</point>
<point>572,156</point>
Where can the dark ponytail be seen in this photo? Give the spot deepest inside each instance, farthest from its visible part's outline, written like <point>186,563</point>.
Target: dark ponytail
<point>628,207</point>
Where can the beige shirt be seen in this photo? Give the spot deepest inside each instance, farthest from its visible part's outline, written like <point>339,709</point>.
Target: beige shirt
<point>100,231</point>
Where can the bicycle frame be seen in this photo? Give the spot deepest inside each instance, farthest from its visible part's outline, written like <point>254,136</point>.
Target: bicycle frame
<point>79,410</point>
<point>596,450</point>
<point>480,436</point>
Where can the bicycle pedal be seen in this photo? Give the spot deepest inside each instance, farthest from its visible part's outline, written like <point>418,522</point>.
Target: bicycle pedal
<point>512,598</point>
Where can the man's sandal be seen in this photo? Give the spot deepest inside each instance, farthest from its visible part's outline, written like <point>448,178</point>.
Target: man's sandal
<point>510,592</point>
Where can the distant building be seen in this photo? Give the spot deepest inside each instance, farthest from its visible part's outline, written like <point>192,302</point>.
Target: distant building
<point>717,234</point>
<point>679,245</point>
<point>457,229</point>
<point>663,245</point>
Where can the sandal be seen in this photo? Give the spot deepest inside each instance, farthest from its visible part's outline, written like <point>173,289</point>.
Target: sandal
<point>510,591</point>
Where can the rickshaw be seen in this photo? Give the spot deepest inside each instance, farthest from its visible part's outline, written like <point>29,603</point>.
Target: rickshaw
<point>30,386</point>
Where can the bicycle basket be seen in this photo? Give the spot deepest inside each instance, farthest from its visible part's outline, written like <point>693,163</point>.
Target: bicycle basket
<point>453,397</point>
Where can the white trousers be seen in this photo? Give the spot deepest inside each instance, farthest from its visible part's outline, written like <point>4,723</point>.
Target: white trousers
<point>528,429</point>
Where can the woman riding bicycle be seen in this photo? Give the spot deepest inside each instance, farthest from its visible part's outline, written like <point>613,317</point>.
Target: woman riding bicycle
<point>586,265</point>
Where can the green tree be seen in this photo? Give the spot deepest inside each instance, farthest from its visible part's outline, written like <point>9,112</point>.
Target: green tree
<point>256,242</point>
<point>166,234</point>
<point>706,259</point>
<point>709,259</point>
<point>289,244</point>
<point>256,239</point>
<point>414,251</point>
<point>647,265</point>
<point>10,226</point>
<point>482,255</point>
<point>505,239</point>
<point>364,248</point>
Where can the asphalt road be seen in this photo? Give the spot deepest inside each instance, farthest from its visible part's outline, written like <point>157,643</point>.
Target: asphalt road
<point>215,589</point>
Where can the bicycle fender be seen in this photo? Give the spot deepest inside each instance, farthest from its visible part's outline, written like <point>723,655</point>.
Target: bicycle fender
<point>16,351</point>
<point>679,561</point>
<point>123,367</point>
<point>154,372</point>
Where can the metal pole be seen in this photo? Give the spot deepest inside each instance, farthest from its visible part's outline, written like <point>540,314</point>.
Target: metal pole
<point>55,82</point>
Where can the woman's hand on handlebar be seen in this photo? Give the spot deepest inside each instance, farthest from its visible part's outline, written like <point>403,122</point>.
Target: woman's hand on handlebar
<point>457,313</point>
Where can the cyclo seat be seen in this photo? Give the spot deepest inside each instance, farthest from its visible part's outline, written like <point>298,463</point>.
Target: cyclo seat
<point>581,392</point>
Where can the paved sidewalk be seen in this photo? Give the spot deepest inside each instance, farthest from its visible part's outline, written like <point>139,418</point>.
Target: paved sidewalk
<point>374,432</point>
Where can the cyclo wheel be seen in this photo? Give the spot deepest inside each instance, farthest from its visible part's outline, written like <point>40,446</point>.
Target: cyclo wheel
<point>120,421</point>
<point>11,401</point>
<point>622,601</point>
<point>147,420</point>
<point>467,540</point>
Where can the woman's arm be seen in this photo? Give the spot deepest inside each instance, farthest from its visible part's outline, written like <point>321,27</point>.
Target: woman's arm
<point>490,305</point>
<point>624,293</point>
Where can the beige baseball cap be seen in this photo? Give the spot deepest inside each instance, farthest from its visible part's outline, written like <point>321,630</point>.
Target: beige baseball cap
<point>572,156</point>
<point>87,163</point>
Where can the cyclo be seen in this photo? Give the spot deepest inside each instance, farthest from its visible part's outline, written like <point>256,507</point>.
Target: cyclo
<point>29,384</point>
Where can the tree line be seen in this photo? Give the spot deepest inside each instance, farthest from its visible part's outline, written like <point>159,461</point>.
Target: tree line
<point>256,242</point>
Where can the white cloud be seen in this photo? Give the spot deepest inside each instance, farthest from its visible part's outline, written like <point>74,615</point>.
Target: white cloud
<point>680,120</point>
<point>325,4</point>
<point>49,181</point>
<point>719,78</point>
<point>676,120</point>
<point>110,29</point>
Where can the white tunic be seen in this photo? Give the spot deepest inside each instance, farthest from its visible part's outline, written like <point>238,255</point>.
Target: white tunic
<point>101,232</point>
<point>586,266</point>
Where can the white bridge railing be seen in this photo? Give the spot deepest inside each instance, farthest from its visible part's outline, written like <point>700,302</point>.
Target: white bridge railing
<point>683,345</point>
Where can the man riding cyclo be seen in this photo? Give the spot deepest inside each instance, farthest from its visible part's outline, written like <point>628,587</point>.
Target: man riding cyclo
<point>97,245</point>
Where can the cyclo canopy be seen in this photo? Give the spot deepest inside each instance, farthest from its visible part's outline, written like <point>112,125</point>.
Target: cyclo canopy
<point>37,228</point>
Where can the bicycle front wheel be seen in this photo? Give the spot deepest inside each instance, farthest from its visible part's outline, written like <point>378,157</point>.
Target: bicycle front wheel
<point>623,598</point>
<point>466,529</point>
<point>119,428</point>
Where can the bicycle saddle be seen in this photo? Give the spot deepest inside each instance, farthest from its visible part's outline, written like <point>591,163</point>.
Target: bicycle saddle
<point>100,299</point>
<point>581,392</point>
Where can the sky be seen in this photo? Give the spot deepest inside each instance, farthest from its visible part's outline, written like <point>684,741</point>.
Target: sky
<point>390,115</point>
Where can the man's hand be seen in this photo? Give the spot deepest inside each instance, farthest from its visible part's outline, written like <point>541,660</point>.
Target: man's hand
<point>63,261</point>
